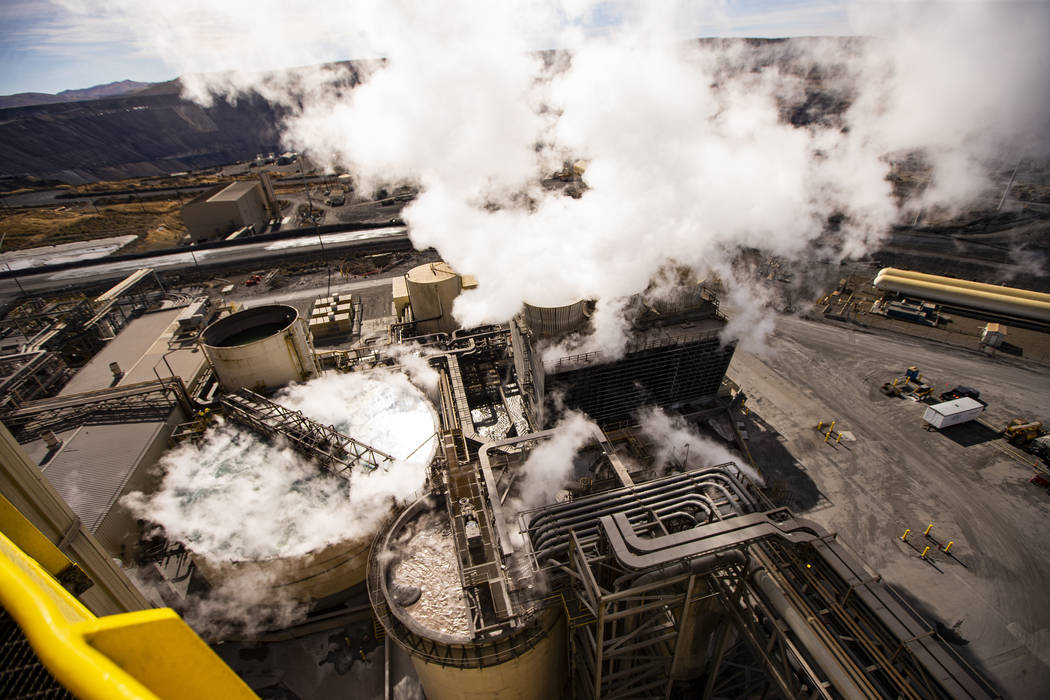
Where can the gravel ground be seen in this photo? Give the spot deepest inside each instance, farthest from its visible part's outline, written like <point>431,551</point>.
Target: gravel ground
<point>990,596</point>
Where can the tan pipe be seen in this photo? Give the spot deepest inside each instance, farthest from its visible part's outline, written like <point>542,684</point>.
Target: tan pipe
<point>968,284</point>
<point>1017,306</point>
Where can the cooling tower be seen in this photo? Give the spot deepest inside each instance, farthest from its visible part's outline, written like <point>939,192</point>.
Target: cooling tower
<point>432,288</point>
<point>261,349</point>
<point>260,511</point>
<point>310,577</point>
<point>550,321</point>
<point>416,589</point>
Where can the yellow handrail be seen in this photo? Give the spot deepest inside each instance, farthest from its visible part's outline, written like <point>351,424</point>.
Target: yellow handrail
<point>139,655</point>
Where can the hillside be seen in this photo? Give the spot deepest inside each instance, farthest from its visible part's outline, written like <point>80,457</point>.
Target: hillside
<point>28,99</point>
<point>132,136</point>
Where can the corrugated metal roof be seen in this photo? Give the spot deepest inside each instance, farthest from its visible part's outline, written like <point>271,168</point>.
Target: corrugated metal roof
<point>234,191</point>
<point>94,465</point>
<point>134,341</point>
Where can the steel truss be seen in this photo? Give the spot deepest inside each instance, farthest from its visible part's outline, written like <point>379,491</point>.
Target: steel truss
<point>334,451</point>
<point>134,403</point>
<point>732,584</point>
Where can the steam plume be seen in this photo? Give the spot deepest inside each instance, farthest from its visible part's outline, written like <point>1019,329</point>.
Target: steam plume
<point>694,150</point>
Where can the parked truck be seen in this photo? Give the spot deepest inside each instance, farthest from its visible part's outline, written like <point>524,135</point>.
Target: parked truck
<point>954,412</point>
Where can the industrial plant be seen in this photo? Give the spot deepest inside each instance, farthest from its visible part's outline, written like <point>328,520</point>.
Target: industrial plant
<point>496,506</point>
<point>626,367</point>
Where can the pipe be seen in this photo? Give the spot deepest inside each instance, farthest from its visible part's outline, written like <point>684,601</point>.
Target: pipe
<point>966,284</point>
<point>697,566</point>
<point>837,674</point>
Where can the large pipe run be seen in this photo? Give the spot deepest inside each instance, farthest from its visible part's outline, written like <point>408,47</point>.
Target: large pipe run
<point>987,297</point>
<point>840,678</point>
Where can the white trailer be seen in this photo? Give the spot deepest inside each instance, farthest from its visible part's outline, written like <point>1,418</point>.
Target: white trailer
<point>954,412</point>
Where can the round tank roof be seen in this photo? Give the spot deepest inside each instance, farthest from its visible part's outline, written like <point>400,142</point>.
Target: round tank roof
<point>431,273</point>
<point>249,326</point>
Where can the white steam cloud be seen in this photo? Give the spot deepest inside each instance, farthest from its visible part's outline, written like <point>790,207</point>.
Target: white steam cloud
<point>690,152</point>
<point>234,497</point>
<point>678,441</point>
<point>550,465</point>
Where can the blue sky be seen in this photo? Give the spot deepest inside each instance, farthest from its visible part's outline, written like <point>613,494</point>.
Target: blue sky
<point>47,47</point>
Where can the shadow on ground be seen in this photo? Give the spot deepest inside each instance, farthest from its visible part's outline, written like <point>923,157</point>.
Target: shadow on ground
<point>787,483</point>
<point>952,634</point>
<point>970,434</point>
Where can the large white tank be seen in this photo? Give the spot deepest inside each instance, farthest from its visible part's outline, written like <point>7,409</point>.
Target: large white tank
<point>261,349</point>
<point>988,297</point>
<point>432,289</point>
<point>309,577</point>
<point>549,321</point>
<point>525,663</point>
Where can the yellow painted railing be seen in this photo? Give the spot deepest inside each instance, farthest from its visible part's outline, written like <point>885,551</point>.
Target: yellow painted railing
<point>138,655</point>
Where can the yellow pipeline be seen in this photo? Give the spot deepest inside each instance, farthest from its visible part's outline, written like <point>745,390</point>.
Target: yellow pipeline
<point>966,284</point>
<point>1031,305</point>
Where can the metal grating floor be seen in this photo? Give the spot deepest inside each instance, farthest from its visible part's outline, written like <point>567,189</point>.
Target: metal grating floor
<point>22,676</point>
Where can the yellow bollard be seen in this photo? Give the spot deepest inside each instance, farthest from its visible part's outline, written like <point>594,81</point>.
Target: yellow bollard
<point>948,546</point>
<point>928,528</point>
<point>923,555</point>
<point>832,426</point>
<point>838,438</point>
<point>904,537</point>
<point>820,424</point>
<point>828,436</point>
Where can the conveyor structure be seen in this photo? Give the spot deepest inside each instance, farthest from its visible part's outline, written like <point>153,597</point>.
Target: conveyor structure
<point>333,450</point>
<point>692,577</point>
<point>140,402</point>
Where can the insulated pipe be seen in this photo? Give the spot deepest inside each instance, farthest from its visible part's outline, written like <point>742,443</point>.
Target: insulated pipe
<point>687,484</point>
<point>592,514</point>
<point>697,566</point>
<point>628,503</point>
<point>948,292</point>
<point>967,284</point>
<point>837,674</point>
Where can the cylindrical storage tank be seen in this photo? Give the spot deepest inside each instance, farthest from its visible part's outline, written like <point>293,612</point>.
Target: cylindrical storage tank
<point>310,577</point>
<point>525,663</point>
<point>261,349</point>
<point>950,293</point>
<point>549,321</point>
<point>432,289</point>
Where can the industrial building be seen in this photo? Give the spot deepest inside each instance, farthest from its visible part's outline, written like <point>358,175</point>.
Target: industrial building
<point>627,577</point>
<point>225,209</point>
<point>675,357</point>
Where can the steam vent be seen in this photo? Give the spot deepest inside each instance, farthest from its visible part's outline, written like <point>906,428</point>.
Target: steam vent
<point>262,348</point>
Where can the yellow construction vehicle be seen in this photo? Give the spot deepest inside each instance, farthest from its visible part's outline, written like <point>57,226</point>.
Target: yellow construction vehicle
<point>910,384</point>
<point>1020,432</point>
